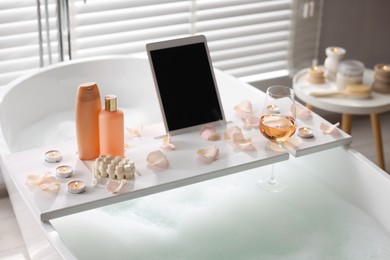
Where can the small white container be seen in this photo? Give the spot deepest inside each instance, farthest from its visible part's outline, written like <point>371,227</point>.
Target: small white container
<point>350,72</point>
<point>334,56</point>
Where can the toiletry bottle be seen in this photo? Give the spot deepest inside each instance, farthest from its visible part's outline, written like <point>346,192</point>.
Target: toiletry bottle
<point>111,128</point>
<point>88,107</point>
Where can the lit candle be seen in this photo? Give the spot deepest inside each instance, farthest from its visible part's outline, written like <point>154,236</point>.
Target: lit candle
<point>76,187</point>
<point>382,70</point>
<point>53,156</point>
<point>305,132</point>
<point>272,109</point>
<point>316,75</point>
<point>335,51</point>
<point>332,61</point>
<point>382,78</point>
<point>64,171</point>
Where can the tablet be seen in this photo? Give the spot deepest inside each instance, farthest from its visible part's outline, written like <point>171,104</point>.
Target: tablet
<point>185,84</point>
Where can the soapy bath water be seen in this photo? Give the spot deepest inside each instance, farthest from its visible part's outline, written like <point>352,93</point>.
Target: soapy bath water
<point>225,218</point>
<point>230,218</point>
<point>60,129</point>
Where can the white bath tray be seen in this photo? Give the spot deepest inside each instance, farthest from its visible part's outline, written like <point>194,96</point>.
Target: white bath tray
<point>185,167</point>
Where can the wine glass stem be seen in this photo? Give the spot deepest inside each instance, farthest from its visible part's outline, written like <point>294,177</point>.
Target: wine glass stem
<point>272,179</point>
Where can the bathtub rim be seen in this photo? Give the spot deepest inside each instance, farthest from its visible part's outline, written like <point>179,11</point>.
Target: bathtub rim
<point>4,144</point>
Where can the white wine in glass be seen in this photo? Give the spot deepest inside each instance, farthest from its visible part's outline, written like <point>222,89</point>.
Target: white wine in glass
<point>277,123</point>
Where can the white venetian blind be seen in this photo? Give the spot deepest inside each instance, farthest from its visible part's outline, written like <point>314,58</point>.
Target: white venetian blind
<point>251,39</point>
<point>19,37</point>
<point>246,37</point>
<point>100,27</point>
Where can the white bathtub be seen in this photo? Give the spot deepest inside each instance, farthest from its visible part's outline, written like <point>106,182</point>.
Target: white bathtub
<point>335,206</point>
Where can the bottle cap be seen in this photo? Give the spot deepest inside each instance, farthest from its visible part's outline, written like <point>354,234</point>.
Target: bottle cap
<point>88,91</point>
<point>110,103</point>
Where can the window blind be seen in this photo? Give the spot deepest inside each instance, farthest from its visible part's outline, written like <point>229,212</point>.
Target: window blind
<point>251,39</point>
<point>245,37</point>
<point>20,40</point>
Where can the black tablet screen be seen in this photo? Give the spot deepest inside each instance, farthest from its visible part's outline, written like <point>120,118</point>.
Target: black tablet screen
<point>186,85</point>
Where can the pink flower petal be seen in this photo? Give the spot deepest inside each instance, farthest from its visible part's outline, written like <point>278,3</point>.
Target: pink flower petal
<point>244,111</point>
<point>302,112</point>
<point>116,187</point>
<point>46,182</point>
<point>158,159</point>
<point>208,154</point>
<point>244,108</point>
<point>134,132</point>
<point>209,132</point>
<point>235,136</point>
<point>228,135</point>
<point>242,143</point>
<point>36,180</point>
<point>166,143</point>
<point>50,186</point>
<point>329,129</point>
<point>251,121</point>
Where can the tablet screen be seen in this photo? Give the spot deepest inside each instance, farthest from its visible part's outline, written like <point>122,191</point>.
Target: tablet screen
<point>186,86</point>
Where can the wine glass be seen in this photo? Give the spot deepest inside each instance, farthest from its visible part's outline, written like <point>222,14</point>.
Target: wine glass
<point>277,123</point>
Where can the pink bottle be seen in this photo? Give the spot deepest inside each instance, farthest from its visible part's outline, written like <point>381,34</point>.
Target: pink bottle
<point>111,128</point>
<point>88,107</point>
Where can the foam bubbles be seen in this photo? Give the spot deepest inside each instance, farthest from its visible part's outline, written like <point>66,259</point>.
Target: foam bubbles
<point>230,218</point>
<point>225,218</point>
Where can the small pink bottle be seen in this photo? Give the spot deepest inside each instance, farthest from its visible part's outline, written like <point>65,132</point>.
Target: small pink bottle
<point>111,128</point>
<point>88,107</point>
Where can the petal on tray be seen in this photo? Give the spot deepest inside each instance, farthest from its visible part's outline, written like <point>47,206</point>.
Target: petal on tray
<point>209,132</point>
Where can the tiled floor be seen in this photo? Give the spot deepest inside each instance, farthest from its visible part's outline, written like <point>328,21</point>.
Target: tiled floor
<point>12,245</point>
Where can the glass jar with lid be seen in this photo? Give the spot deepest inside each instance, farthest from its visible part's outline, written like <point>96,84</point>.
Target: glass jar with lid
<point>350,72</point>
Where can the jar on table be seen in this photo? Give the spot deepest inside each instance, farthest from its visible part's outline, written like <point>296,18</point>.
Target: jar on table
<point>350,72</point>
<point>382,78</point>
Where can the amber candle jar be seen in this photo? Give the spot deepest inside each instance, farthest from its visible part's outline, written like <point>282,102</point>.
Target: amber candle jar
<point>382,78</point>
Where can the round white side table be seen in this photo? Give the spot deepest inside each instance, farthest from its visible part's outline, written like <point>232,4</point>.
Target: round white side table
<point>373,106</point>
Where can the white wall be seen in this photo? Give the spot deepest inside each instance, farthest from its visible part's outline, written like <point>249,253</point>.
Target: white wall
<point>359,26</point>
